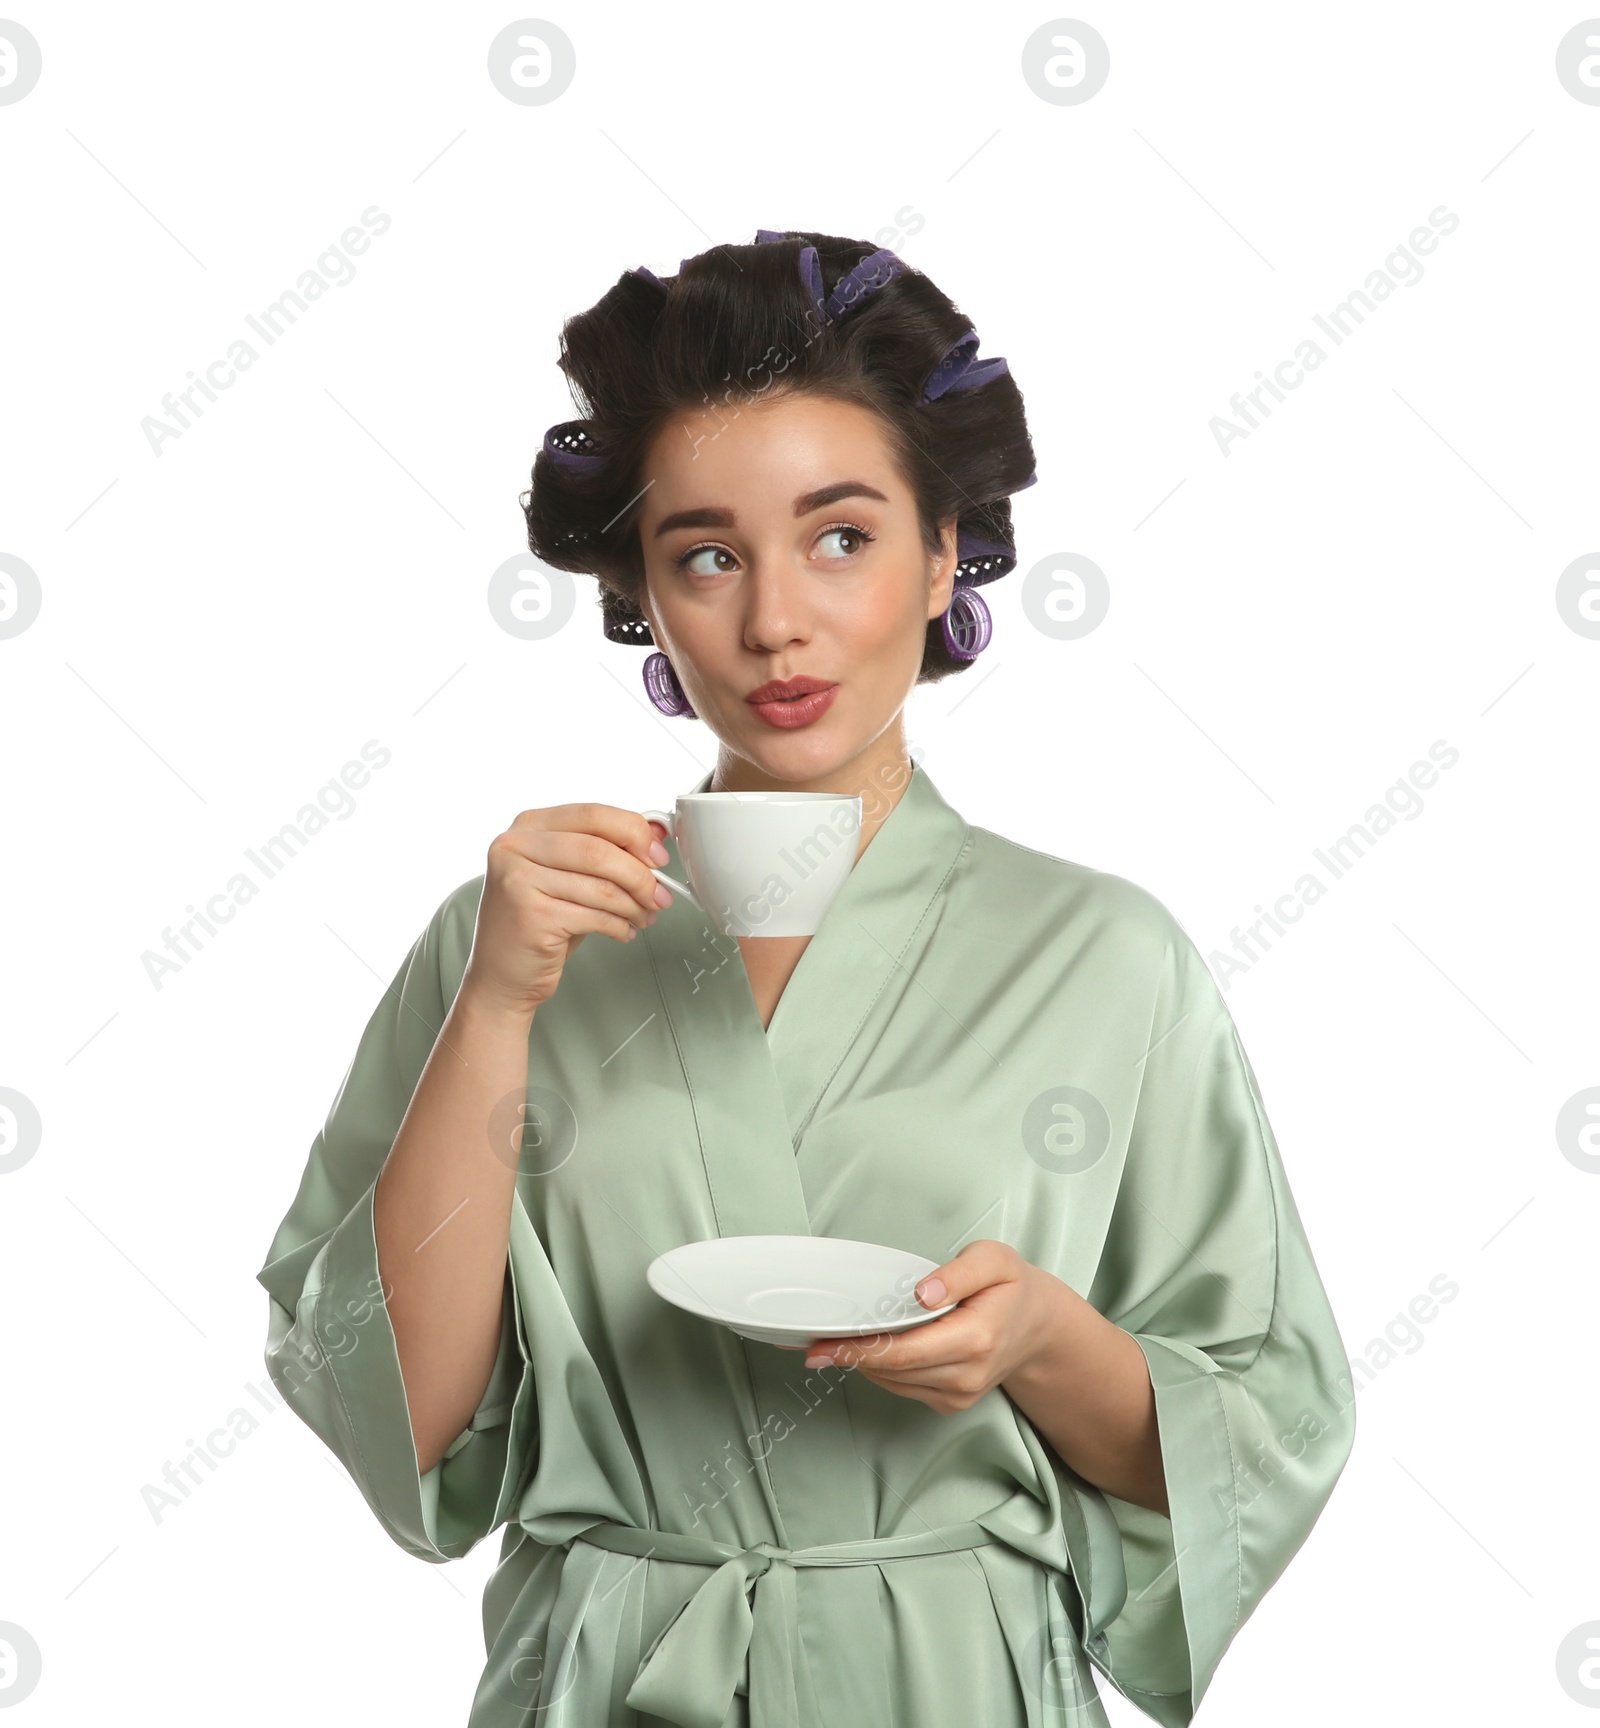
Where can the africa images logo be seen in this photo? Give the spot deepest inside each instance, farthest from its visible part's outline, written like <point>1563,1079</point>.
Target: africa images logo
<point>1401,269</point>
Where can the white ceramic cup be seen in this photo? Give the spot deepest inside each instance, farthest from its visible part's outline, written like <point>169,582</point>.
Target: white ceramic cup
<point>763,863</point>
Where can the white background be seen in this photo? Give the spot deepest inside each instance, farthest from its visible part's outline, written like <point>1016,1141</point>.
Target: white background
<point>1291,625</point>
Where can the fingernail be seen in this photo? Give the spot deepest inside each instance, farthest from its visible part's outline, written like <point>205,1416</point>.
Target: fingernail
<point>931,1292</point>
<point>663,895</point>
<point>658,853</point>
<point>818,1359</point>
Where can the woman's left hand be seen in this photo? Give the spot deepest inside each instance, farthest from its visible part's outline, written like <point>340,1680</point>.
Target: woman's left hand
<point>949,1363</point>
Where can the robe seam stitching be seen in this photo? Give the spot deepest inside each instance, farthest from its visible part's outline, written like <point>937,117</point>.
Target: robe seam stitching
<point>1238,1524</point>
<point>1272,1195</point>
<point>1133,1111</point>
<point>316,1308</point>
<point>355,1438</point>
<point>1049,857</point>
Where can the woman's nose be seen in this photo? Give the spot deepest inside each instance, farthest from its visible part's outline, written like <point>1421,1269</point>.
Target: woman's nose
<point>773,606</point>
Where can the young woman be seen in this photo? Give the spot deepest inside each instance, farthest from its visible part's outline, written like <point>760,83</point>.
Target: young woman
<point>792,473</point>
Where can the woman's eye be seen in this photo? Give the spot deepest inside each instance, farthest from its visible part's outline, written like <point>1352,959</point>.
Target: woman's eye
<point>693,561</point>
<point>856,538</point>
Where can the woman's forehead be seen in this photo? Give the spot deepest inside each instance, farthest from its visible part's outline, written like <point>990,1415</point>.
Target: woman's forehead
<point>768,460</point>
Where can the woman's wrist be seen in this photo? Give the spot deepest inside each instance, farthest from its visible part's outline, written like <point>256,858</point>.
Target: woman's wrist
<point>1086,1388</point>
<point>483,1005</point>
<point>1061,1319</point>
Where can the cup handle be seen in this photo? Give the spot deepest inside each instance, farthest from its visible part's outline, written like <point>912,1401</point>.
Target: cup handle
<point>671,882</point>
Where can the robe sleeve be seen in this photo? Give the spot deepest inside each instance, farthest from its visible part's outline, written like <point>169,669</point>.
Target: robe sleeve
<point>1207,1265</point>
<point>330,1344</point>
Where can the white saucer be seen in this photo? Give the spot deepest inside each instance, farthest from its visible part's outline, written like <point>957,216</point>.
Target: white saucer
<point>791,1289</point>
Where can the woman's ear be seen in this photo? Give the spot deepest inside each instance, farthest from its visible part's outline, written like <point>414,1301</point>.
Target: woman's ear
<point>942,571</point>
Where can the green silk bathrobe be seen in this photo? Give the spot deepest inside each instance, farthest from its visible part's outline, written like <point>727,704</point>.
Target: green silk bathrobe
<point>981,1041</point>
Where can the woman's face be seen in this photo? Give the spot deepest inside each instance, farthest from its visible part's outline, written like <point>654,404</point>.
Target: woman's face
<point>780,543</point>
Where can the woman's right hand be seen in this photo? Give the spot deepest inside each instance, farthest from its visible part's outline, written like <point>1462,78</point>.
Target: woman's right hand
<point>554,877</point>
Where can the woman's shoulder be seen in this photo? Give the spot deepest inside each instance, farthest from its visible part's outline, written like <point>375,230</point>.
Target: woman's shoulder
<point>1065,893</point>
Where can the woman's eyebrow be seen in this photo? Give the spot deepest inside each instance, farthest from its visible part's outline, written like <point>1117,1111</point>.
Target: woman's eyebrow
<point>717,516</point>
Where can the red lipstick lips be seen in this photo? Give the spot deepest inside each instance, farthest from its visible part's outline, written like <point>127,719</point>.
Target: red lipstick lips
<point>792,702</point>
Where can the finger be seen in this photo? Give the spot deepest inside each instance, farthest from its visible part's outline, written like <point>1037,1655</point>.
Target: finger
<point>952,1380</point>
<point>977,1265</point>
<point>931,1396</point>
<point>627,829</point>
<point>621,827</point>
<point>593,892</point>
<point>939,1344</point>
<point>877,1367</point>
<point>581,854</point>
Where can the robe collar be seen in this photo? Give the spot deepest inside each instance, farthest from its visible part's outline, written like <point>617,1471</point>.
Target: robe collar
<point>755,1090</point>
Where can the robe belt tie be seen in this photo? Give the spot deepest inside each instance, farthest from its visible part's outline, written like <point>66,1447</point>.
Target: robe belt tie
<point>692,1673</point>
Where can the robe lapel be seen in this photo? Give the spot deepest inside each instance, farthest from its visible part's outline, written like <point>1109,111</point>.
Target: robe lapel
<point>865,939</point>
<point>754,1090</point>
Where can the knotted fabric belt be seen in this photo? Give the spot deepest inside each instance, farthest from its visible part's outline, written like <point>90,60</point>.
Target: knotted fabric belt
<point>692,1673</point>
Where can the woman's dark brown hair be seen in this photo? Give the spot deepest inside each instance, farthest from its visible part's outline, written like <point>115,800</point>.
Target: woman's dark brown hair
<point>736,324</point>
